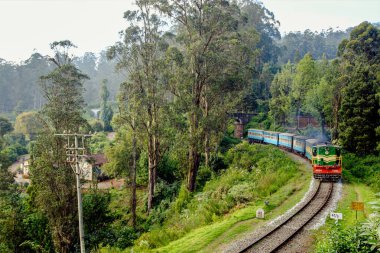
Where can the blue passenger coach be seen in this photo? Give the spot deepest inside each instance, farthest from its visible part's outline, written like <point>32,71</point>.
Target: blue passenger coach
<point>255,135</point>
<point>299,144</point>
<point>286,140</point>
<point>309,145</point>
<point>271,137</point>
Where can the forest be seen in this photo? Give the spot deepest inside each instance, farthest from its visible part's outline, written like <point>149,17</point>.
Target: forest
<point>166,89</point>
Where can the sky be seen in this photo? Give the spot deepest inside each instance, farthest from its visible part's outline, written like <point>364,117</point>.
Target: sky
<point>28,26</point>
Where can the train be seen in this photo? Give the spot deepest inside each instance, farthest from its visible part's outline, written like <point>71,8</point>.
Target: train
<point>326,159</point>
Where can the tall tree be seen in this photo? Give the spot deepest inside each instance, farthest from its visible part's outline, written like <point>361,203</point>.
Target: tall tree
<point>52,177</point>
<point>106,112</point>
<point>264,22</point>
<point>209,67</point>
<point>319,102</point>
<point>140,56</point>
<point>280,103</point>
<point>306,77</point>
<point>122,158</point>
<point>359,113</point>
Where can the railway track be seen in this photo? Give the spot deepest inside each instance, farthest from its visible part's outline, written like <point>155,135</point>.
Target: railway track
<point>278,237</point>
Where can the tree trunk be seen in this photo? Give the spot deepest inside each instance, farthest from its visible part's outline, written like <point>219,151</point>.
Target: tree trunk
<point>133,183</point>
<point>194,160</point>
<point>194,154</point>
<point>335,133</point>
<point>207,133</point>
<point>151,168</point>
<point>298,117</point>
<point>207,149</point>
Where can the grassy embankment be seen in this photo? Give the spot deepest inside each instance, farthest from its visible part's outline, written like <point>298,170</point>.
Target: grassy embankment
<point>361,184</point>
<point>225,209</point>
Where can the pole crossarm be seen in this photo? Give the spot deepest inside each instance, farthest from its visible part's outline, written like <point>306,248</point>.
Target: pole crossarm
<point>75,153</point>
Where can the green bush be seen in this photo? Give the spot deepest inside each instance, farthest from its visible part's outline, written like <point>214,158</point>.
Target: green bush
<point>352,239</point>
<point>228,142</point>
<point>98,143</point>
<point>363,169</point>
<point>14,151</point>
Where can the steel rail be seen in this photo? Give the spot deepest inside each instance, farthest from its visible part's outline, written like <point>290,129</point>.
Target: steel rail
<point>326,200</point>
<point>247,248</point>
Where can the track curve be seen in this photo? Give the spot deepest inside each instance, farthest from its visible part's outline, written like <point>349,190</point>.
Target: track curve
<point>283,233</point>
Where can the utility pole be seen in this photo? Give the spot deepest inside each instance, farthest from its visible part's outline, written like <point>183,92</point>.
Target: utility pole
<point>74,152</point>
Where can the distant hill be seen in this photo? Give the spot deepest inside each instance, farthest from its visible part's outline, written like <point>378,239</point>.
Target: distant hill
<point>295,45</point>
<point>20,91</point>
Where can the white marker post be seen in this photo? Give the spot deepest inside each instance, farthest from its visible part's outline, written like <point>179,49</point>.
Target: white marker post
<point>336,216</point>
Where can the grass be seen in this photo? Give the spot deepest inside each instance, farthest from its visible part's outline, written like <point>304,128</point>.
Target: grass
<point>350,192</point>
<point>355,192</point>
<point>239,222</point>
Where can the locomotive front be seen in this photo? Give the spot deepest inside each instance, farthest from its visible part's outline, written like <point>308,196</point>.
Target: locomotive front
<point>327,162</point>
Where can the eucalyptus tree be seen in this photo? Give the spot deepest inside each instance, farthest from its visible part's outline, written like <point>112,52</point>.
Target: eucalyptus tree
<point>142,95</point>
<point>53,180</point>
<point>280,102</point>
<point>209,68</point>
<point>106,112</point>
<point>305,78</point>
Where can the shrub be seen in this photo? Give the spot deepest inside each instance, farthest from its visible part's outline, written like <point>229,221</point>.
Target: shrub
<point>365,169</point>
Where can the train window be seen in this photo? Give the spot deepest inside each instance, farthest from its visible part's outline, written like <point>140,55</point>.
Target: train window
<point>314,151</point>
<point>338,152</point>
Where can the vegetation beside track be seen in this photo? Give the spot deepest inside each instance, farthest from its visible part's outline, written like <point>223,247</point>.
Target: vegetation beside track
<point>351,234</point>
<point>226,206</point>
<point>362,234</point>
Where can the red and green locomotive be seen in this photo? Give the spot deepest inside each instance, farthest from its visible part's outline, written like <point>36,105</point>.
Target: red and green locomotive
<point>327,162</point>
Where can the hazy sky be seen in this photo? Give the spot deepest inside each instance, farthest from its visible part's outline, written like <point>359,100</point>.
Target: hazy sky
<point>27,25</point>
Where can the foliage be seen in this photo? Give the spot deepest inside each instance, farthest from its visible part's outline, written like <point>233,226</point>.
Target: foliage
<point>19,84</point>
<point>19,81</point>
<point>96,125</point>
<point>365,169</point>
<point>97,218</point>
<point>254,173</point>
<point>29,124</point>
<point>99,143</point>
<point>304,79</point>
<point>5,126</point>
<point>361,237</point>
<point>53,180</point>
<point>142,96</point>
<point>264,22</point>
<point>295,45</point>
<point>360,108</point>
<point>319,102</point>
<point>263,121</point>
<point>106,112</point>
<point>119,154</point>
<point>280,103</point>
<point>227,143</point>
<point>12,152</point>
<point>14,138</point>
<point>11,214</point>
<point>205,73</point>
<point>55,193</point>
